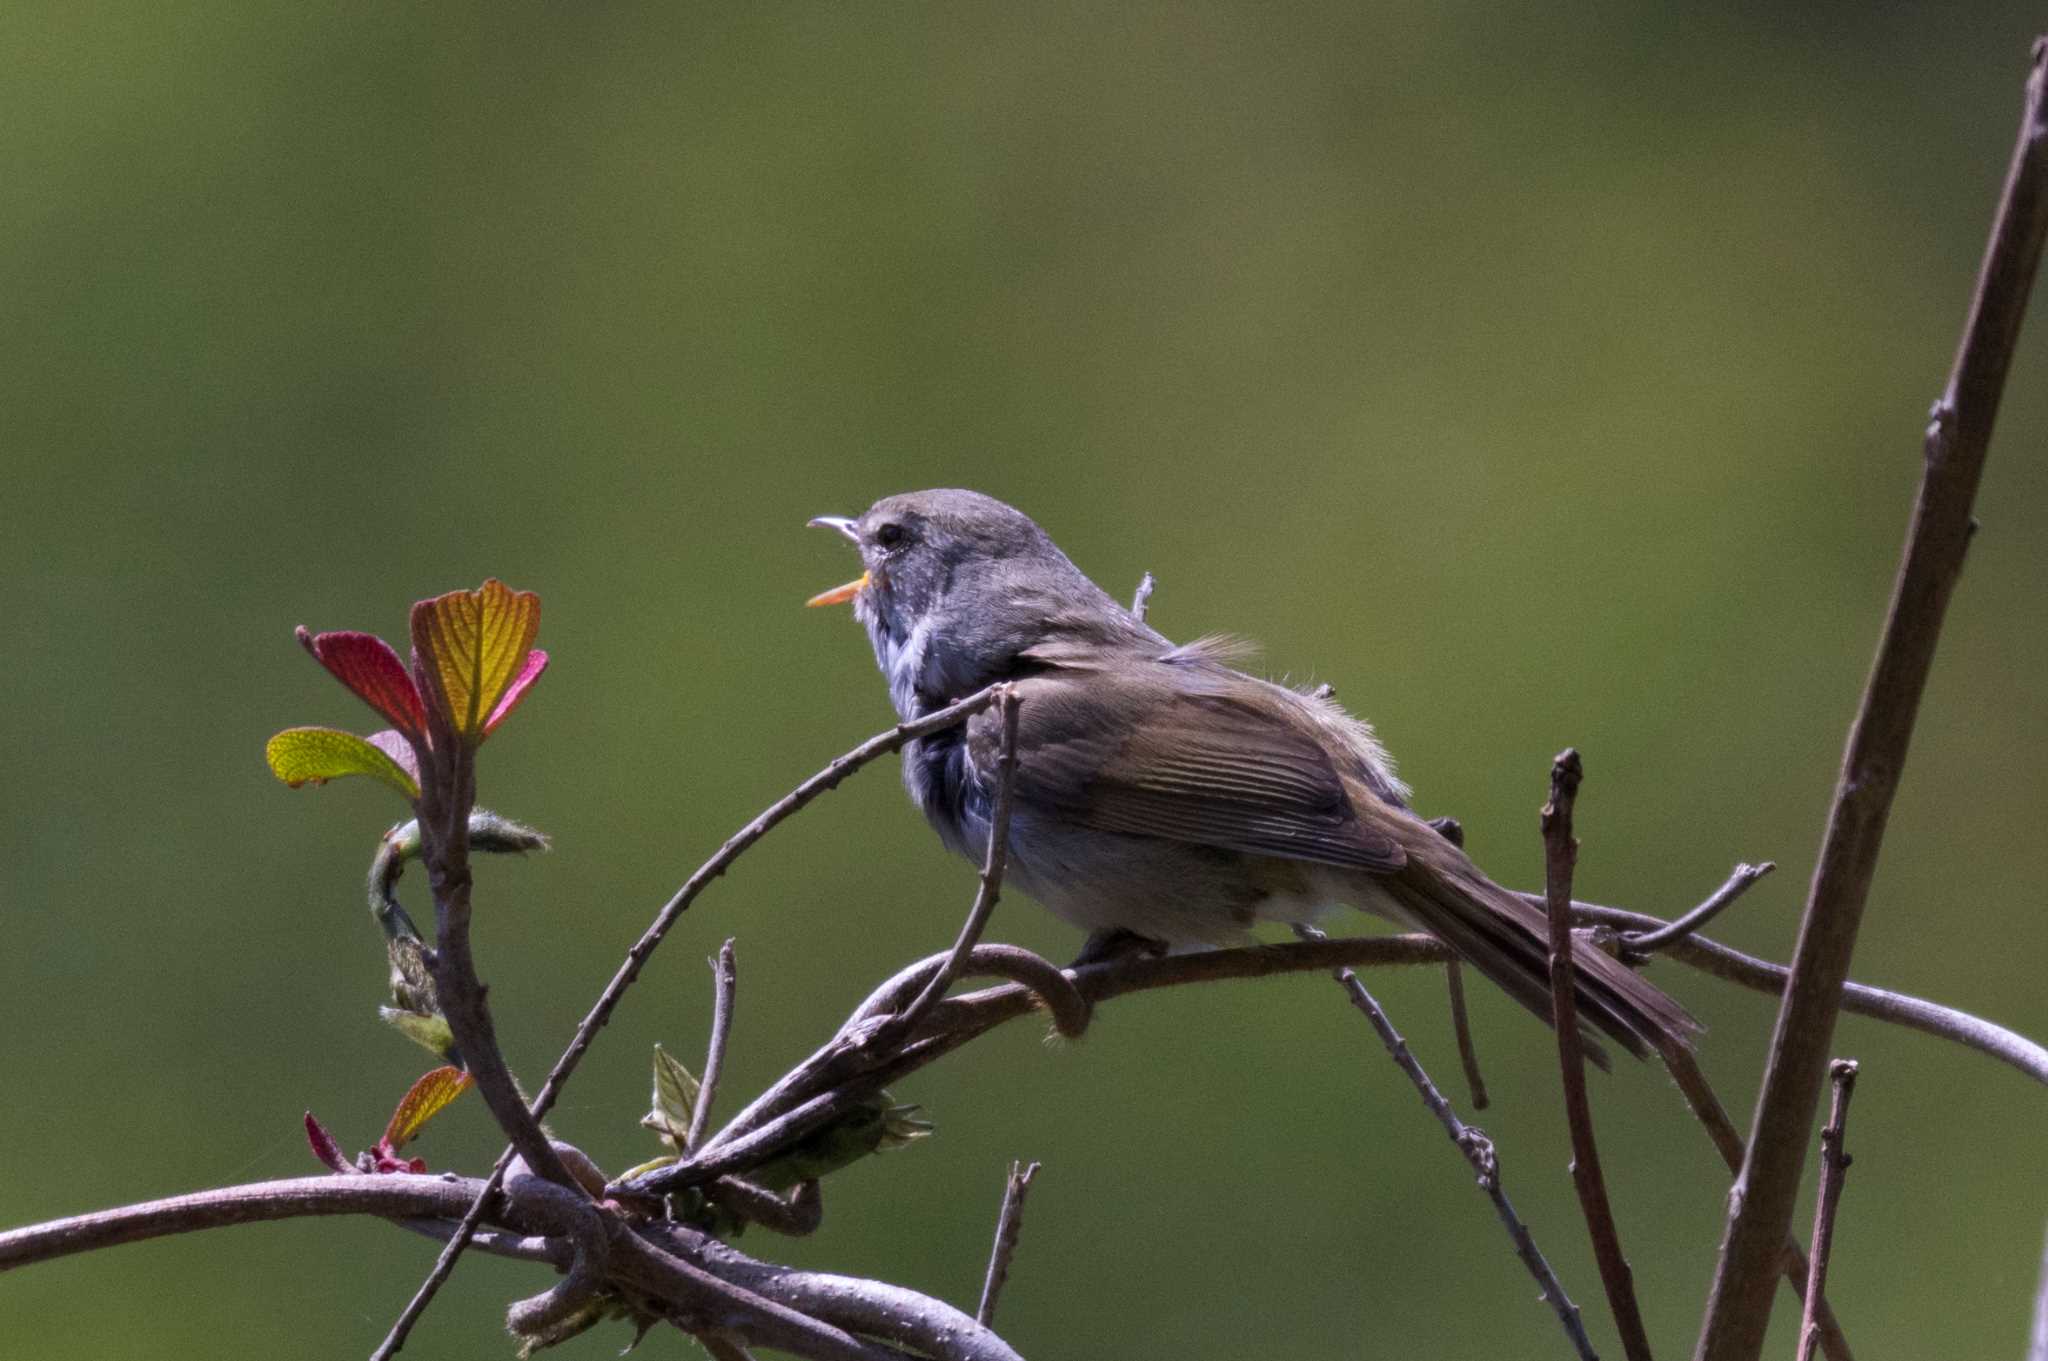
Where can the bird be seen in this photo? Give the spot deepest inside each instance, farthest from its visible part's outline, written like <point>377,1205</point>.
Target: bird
<point>1162,797</point>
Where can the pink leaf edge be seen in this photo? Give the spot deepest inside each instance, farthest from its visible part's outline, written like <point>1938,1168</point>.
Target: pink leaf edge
<point>536,662</point>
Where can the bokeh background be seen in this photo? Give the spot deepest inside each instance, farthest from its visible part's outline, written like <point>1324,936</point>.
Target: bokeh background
<point>1537,374</point>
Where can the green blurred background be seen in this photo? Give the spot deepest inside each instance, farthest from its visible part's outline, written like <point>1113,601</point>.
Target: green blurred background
<point>1538,374</point>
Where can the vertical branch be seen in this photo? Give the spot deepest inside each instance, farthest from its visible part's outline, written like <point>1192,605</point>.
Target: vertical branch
<point>1009,1223</point>
<point>736,845</point>
<point>1760,1205</point>
<point>724,981</point>
<point>1461,1025</point>
<point>1834,1167</point>
<point>1560,858</point>
<point>992,865</point>
<point>2037,1342</point>
<point>447,792</point>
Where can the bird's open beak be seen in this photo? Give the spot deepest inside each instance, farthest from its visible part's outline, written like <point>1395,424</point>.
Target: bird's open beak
<point>839,595</point>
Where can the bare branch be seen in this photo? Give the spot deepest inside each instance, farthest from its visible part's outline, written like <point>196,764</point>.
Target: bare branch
<point>1834,1167</point>
<point>636,958</point>
<point>1142,599</point>
<point>2037,1342</point>
<point>692,1275</point>
<point>1560,856</point>
<point>991,888</point>
<point>1461,1026</point>
<point>1721,1132</point>
<point>724,981</point>
<point>1474,1145</point>
<point>1639,946</point>
<point>1898,1008</point>
<point>1958,435</point>
<point>1009,1223</point>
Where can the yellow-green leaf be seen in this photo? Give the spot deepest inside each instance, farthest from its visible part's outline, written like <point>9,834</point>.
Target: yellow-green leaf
<point>675,1099</point>
<point>316,755</point>
<point>472,646</point>
<point>426,1100</point>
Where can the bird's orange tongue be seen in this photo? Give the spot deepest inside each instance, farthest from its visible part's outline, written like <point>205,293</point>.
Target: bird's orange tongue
<point>839,595</point>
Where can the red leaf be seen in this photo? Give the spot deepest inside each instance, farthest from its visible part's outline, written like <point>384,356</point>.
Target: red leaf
<point>366,664</point>
<point>324,1147</point>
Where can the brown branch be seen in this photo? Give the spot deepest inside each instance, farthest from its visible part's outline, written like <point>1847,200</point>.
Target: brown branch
<point>1639,946</point>
<point>993,861</point>
<point>1560,857</point>
<point>1727,1141</point>
<point>1009,1223</point>
<point>1897,1008</point>
<point>636,958</point>
<point>1474,1145</point>
<point>2037,1339</point>
<point>1834,1167</point>
<point>695,1277</point>
<point>1461,1027</point>
<point>1958,435</point>
<point>724,982</point>
<point>447,793</point>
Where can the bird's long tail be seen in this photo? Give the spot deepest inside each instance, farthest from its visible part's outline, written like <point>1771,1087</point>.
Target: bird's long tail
<point>1507,939</point>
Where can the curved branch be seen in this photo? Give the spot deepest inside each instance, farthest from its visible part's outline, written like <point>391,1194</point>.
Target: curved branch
<point>1898,1008</point>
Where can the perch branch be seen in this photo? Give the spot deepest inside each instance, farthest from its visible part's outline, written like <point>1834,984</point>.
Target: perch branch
<point>1958,435</point>
<point>1560,857</point>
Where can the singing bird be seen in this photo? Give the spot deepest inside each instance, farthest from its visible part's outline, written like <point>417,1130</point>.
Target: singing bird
<point>1160,792</point>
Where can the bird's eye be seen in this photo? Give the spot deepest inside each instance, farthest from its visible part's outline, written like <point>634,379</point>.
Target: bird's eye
<point>889,534</point>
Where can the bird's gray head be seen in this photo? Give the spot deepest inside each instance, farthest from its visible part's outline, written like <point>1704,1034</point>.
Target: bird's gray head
<point>957,586</point>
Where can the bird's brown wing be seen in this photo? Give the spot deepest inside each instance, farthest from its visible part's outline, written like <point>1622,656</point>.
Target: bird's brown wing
<point>1117,751</point>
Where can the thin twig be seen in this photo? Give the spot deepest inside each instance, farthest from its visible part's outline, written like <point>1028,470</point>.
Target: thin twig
<point>724,981</point>
<point>1560,857</point>
<point>1461,1026</point>
<point>1477,1150</point>
<point>1141,600</point>
<point>1834,1168</point>
<point>985,897</point>
<point>1958,435</point>
<point>2037,1341</point>
<point>1009,1223</point>
<point>1727,1141</point>
<point>1639,946</point>
<point>1897,1008</point>
<point>636,958</point>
